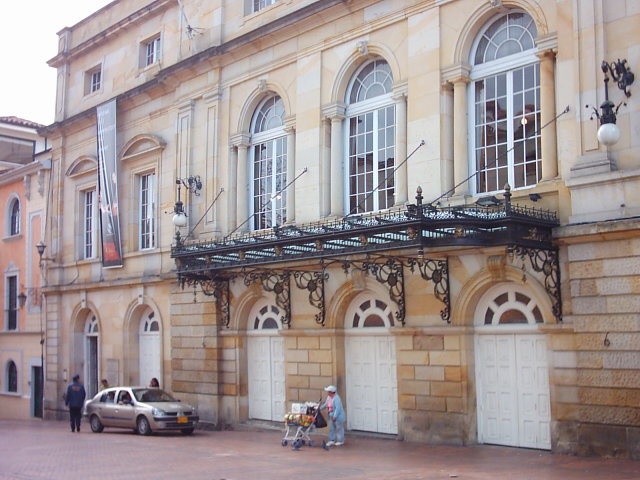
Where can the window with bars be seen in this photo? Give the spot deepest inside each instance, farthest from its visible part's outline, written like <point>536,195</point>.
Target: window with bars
<point>269,165</point>
<point>371,139</point>
<point>147,211</point>
<point>506,105</point>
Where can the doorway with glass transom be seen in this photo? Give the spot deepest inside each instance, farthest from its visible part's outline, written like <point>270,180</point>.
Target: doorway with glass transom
<point>512,378</point>
<point>265,363</point>
<point>370,365</point>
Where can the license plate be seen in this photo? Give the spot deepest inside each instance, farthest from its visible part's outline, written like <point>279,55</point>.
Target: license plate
<point>182,419</point>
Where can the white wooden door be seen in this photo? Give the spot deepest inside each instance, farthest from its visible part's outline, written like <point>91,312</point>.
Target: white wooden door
<point>513,390</point>
<point>266,377</point>
<point>372,391</point>
<point>149,357</point>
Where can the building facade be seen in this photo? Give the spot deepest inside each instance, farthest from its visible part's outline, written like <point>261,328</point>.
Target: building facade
<point>24,166</point>
<point>407,199</point>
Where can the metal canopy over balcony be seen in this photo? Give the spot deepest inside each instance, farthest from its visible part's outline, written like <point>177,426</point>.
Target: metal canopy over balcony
<point>365,242</point>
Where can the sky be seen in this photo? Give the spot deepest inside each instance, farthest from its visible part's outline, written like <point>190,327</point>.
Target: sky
<point>28,38</point>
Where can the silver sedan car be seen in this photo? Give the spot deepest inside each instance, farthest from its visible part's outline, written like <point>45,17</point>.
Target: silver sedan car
<point>143,409</point>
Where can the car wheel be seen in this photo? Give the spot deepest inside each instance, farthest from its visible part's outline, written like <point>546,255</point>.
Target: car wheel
<point>187,431</point>
<point>96,424</point>
<point>143,426</point>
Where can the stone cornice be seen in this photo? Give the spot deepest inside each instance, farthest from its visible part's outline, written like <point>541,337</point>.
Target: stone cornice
<point>455,73</point>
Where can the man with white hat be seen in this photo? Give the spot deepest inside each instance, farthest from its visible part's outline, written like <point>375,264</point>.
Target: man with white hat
<point>333,405</point>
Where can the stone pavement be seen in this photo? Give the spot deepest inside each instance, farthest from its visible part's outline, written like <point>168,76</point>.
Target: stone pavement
<point>34,449</point>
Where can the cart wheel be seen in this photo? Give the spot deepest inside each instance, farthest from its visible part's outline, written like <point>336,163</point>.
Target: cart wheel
<point>311,443</point>
<point>302,441</point>
<point>284,443</point>
<point>296,444</point>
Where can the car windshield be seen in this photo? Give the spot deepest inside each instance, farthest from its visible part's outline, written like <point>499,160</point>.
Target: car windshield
<point>152,395</point>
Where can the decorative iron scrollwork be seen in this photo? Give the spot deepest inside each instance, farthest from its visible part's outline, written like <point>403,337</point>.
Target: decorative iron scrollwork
<point>545,262</point>
<point>221,294</point>
<point>314,283</point>
<point>436,271</point>
<point>278,283</point>
<point>386,270</point>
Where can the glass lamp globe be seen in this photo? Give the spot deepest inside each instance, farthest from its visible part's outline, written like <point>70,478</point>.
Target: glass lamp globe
<point>608,134</point>
<point>180,220</point>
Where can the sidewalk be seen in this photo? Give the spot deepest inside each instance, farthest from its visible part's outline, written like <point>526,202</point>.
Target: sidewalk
<point>48,450</point>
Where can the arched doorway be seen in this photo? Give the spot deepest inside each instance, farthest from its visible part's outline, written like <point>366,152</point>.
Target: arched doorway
<point>512,375</point>
<point>265,363</point>
<point>91,355</point>
<point>149,343</point>
<point>370,364</point>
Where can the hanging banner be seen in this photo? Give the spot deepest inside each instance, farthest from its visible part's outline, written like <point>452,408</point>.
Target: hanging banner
<point>108,185</point>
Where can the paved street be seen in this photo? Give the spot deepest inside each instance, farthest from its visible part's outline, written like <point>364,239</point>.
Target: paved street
<point>48,450</point>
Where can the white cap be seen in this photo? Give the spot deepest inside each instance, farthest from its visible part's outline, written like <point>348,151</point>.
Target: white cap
<point>330,388</point>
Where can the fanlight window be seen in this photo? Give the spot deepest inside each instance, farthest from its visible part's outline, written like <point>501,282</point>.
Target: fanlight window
<point>372,313</point>
<point>512,307</point>
<point>267,318</point>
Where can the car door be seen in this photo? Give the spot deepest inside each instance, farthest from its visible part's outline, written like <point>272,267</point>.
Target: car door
<point>105,408</point>
<point>124,411</point>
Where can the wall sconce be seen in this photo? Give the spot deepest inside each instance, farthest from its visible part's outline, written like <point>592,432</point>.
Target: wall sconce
<point>22,299</point>
<point>534,197</point>
<point>490,201</point>
<point>609,132</point>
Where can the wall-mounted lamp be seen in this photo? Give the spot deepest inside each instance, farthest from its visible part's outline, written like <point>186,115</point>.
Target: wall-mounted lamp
<point>609,132</point>
<point>534,197</point>
<point>22,299</point>
<point>40,247</point>
<point>490,201</point>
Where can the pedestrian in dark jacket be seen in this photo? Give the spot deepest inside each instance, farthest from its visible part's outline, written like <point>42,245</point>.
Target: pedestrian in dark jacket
<point>74,399</point>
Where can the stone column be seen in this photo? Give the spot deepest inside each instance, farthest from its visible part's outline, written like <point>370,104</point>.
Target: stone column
<point>547,114</point>
<point>460,136</point>
<point>291,174</point>
<point>336,113</point>
<point>232,219</point>
<point>400,99</point>
<point>325,175</point>
<point>446,139</point>
<point>241,142</point>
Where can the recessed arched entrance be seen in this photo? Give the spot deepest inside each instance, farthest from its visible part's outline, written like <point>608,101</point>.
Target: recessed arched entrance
<point>149,342</point>
<point>512,375</point>
<point>265,363</point>
<point>370,365</point>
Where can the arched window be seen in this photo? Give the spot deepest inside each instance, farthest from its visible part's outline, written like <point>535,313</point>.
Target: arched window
<point>269,164</point>
<point>509,306</point>
<point>372,313</point>
<point>14,217</point>
<point>505,95</point>
<point>12,377</point>
<point>268,317</point>
<point>371,136</point>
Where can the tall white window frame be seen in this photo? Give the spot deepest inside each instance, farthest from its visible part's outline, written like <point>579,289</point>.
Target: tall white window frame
<point>89,224</point>
<point>147,211</point>
<point>14,217</point>
<point>505,140</point>
<point>370,139</point>
<point>268,165</point>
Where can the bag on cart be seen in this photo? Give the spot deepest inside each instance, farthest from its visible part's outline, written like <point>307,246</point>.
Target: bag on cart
<point>320,421</point>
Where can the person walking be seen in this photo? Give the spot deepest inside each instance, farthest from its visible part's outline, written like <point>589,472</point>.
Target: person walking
<point>74,399</point>
<point>335,412</point>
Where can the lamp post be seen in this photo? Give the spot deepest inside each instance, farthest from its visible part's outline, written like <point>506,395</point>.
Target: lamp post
<point>609,132</point>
